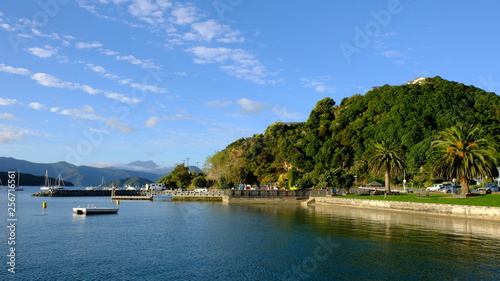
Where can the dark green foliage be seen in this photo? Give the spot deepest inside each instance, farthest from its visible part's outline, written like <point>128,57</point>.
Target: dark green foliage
<point>341,137</point>
<point>131,181</point>
<point>180,177</point>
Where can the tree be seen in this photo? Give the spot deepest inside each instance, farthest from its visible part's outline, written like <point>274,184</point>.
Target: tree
<point>334,178</point>
<point>386,160</point>
<point>179,177</point>
<point>461,154</point>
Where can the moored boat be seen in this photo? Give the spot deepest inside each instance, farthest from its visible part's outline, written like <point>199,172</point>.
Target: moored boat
<point>93,210</point>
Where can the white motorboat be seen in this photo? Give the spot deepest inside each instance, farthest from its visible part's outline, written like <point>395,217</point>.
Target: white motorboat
<point>93,210</point>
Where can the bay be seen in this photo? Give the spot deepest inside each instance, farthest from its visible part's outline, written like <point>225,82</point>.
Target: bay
<point>163,240</point>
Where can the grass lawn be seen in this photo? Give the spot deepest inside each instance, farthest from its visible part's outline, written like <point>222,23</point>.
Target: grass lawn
<point>488,200</point>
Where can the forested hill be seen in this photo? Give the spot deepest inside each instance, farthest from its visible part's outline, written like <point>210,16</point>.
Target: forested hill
<point>337,139</point>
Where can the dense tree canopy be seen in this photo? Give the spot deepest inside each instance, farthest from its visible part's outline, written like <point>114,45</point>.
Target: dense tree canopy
<point>337,141</point>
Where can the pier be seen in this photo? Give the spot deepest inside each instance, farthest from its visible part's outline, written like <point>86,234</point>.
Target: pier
<point>223,195</point>
<point>132,198</point>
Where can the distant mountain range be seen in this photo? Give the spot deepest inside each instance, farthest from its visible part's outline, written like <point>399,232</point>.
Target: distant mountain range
<point>86,175</point>
<point>23,179</point>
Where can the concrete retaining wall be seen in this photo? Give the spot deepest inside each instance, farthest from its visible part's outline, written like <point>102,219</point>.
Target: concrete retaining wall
<point>266,200</point>
<point>490,213</point>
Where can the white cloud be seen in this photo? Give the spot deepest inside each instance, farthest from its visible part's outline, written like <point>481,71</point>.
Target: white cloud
<point>108,52</point>
<point>52,81</point>
<point>218,103</point>
<point>210,29</point>
<point>145,63</point>
<point>96,68</point>
<point>392,54</point>
<point>45,52</point>
<point>36,105</point>
<point>8,133</point>
<point>9,116</point>
<point>8,101</point>
<point>150,88</point>
<point>85,112</point>
<point>235,62</point>
<point>48,80</point>
<point>7,136</point>
<point>250,106</point>
<point>150,11</point>
<point>14,70</point>
<point>88,45</point>
<point>318,84</point>
<point>184,14</point>
<point>88,113</point>
<point>8,27</point>
<point>151,122</point>
<point>283,114</point>
<point>116,124</point>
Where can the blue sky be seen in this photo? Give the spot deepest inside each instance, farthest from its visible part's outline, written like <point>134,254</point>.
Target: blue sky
<point>103,82</point>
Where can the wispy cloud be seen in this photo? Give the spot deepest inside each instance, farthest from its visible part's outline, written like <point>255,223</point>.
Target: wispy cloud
<point>8,101</point>
<point>9,116</point>
<point>14,70</point>
<point>36,105</point>
<point>48,80</point>
<point>144,63</point>
<point>251,106</point>
<point>397,56</point>
<point>218,103</point>
<point>211,29</point>
<point>184,14</point>
<point>152,121</point>
<point>9,133</point>
<point>45,52</point>
<point>284,114</point>
<point>88,45</point>
<point>150,11</point>
<point>318,84</point>
<point>88,113</point>
<point>236,62</point>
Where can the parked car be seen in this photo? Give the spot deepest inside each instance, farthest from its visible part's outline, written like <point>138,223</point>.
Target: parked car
<point>434,187</point>
<point>489,188</point>
<point>449,188</point>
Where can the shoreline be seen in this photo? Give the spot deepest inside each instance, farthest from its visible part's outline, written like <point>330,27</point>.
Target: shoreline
<point>449,210</point>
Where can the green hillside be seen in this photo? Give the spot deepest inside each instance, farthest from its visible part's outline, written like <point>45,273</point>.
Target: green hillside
<point>336,140</point>
<point>130,181</point>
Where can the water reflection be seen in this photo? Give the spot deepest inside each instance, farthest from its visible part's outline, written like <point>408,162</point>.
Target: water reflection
<point>391,220</point>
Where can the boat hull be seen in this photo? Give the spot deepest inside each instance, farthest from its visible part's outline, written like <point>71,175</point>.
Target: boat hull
<point>94,210</point>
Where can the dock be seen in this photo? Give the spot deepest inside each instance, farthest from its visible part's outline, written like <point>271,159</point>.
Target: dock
<point>150,198</point>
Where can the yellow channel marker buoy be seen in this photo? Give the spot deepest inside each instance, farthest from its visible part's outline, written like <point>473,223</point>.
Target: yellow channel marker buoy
<point>44,205</point>
<point>117,202</point>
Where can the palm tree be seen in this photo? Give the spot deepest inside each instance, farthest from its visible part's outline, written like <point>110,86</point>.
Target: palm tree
<point>462,155</point>
<point>386,160</point>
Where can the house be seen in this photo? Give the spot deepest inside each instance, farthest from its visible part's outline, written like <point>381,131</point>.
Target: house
<point>417,80</point>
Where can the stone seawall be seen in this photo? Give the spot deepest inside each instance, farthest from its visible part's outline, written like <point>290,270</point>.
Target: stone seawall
<point>75,193</point>
<point>476,212</point>
<point>267,200</point>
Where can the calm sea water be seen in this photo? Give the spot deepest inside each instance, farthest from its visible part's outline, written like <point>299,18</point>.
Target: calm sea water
<point>212,241</point>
